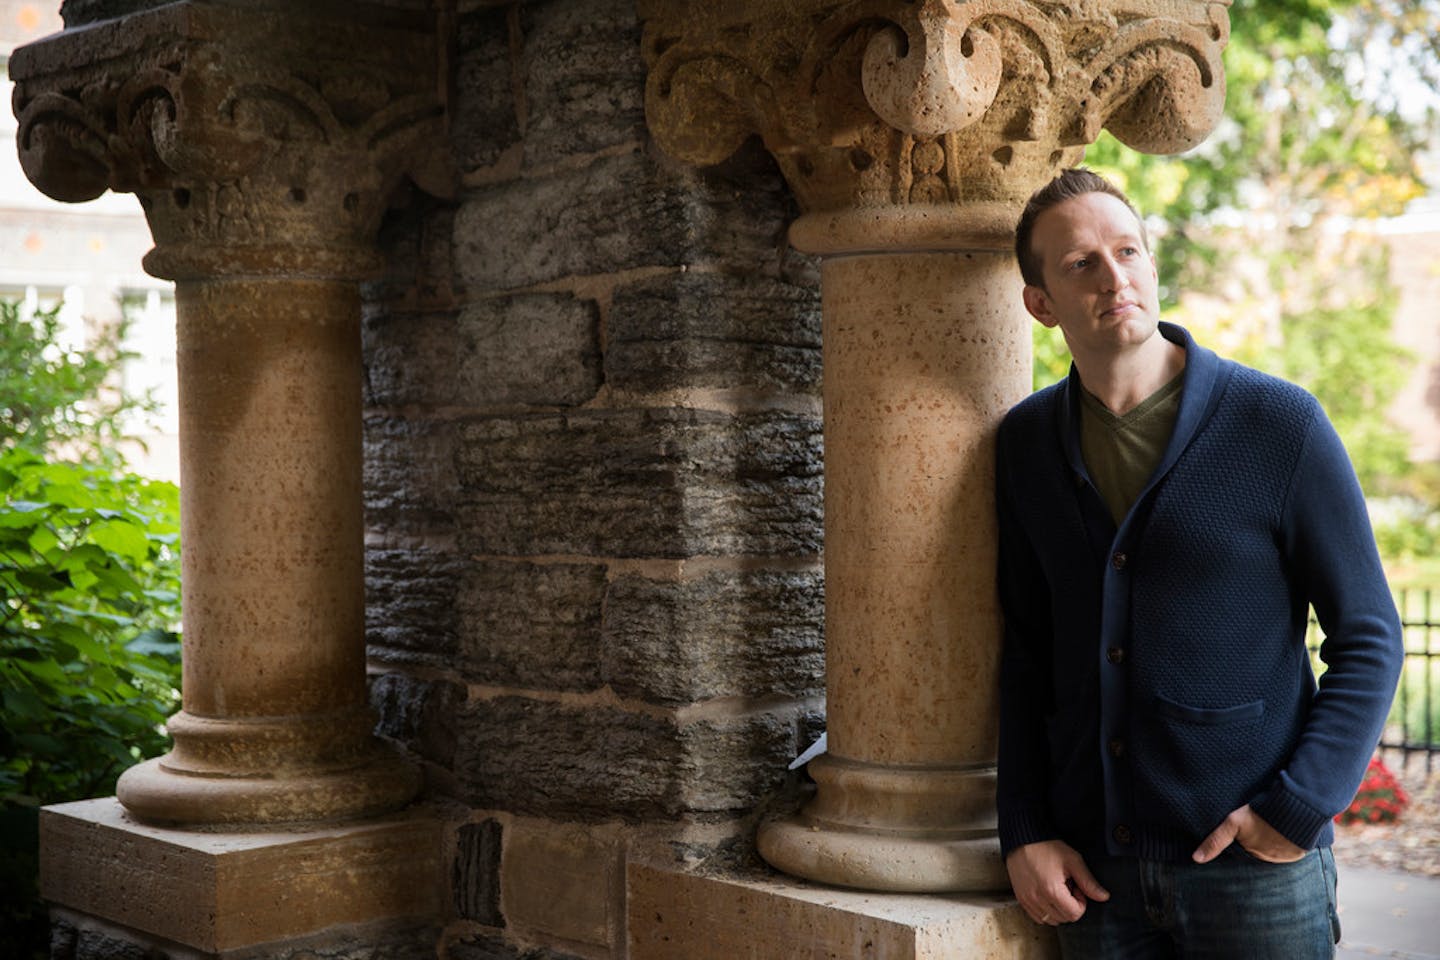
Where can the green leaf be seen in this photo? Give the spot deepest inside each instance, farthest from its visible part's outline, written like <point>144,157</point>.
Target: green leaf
<point>43,581</point>
<point>40,743</point>
<point>43,540</point>
<point>23,704</point>
<point>156,642</point>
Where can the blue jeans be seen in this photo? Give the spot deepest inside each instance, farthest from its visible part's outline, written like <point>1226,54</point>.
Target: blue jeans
<point>1234,908</point>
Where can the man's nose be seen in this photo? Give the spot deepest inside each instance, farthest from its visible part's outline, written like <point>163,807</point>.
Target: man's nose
<point>1112,274</point>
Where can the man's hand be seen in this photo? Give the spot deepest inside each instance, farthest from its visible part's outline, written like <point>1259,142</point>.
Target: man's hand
<point>1052,882</point>
<point>1257,837</point>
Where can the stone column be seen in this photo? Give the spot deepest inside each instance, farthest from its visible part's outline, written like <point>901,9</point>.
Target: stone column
<point>263,147</point>
<point>912,133</point>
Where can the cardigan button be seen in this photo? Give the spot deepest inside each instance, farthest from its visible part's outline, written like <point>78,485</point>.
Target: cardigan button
<point>1122,834</point>
<point>1118,561</point>
<point>1115,655</point>
<point>1117,748</point>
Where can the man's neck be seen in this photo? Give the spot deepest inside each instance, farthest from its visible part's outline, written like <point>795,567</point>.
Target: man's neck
<point>1123,380</point>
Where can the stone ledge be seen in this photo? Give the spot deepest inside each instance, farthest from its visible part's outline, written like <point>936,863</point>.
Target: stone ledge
<point>674,915</point>
<point>219,891</point>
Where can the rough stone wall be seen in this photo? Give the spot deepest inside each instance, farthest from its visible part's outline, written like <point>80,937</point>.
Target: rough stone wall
<point>593,488</point>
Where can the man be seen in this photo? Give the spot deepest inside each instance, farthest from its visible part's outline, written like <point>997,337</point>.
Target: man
<point>1168,770</point>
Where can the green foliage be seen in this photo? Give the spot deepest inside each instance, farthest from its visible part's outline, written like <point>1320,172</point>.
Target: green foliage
<point>89,597</point>
<point>88,649</point>
<point>1052,357</point>
<point>60,399</point>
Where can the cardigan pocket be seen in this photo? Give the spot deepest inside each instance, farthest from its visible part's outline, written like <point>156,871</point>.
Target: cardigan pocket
<point>1184,713</point>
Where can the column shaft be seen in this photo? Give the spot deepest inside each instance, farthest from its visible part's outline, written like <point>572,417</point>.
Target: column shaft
<point>924,352</point>
<point>923,355</point>
<point>275,724</point>
<point>270,497</point>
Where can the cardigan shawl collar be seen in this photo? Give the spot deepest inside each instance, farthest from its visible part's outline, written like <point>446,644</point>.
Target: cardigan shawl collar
<point>1205,379</point>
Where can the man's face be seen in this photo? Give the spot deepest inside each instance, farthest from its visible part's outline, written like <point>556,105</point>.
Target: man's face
<point>1101,286</point>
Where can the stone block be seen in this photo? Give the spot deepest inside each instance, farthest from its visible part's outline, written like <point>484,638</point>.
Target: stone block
<point>531,625</point>
<point>618,213</point>
<point>642,483</point>
<point>417,713</point>
<point>536,349</point>
<point>410,603</point>
<point>586,763</point>
<point>477,873</point>
<point>564,881</point>
<point>674,915</point>
<point>410,481</point>
<point>584,78</point>
<point>79,12</point>
<point>484,120</point>
<point>200,889</point>
<point>727,634</point>
<point>487,947</point>
<point>414,242</point>
<point>703,330</point>
<point>78,937</point>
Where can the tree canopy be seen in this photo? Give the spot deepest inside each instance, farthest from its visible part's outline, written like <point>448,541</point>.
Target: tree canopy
<point>1264,234</point>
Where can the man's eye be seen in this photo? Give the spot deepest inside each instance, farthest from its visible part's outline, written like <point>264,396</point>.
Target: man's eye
<point>1080,264</point>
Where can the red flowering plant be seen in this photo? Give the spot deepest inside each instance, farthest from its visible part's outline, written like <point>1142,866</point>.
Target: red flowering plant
<point>1380,798</point>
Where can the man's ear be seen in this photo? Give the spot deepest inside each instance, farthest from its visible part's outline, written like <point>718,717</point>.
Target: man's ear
<point>1037,301</point>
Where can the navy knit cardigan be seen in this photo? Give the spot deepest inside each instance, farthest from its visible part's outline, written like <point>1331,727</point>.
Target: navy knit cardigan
<point>1155,677</point>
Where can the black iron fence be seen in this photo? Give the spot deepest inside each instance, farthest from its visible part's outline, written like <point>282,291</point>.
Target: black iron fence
<point>1411,740</point>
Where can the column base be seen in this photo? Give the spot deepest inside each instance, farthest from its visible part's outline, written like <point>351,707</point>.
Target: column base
<point>899,829</point>
<point>224,891</point>
<point>867,860</point>
<point>674,914</point>
<point>166,791</point>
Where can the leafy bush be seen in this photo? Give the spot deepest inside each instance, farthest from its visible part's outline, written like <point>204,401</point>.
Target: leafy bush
<point>88,648</point>
<point>89,597</point>
<point>59,400</point>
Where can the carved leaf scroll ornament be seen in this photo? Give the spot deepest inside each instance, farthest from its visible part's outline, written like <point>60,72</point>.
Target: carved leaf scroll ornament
<point>846,94</point>
<point>243,148</point>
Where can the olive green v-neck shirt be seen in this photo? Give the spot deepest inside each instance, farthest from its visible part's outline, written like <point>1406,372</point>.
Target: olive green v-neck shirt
<point>1122,452</point>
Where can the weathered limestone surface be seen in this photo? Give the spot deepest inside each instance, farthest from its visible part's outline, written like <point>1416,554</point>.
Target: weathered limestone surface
<point>536,349</point>
<point>78,937</point>
<point>649,483</point>
<point>419,714</point>
<point>590,763</point>
<point>594,370</point>
<point>498,948</point>
<point>531,625</point>
<point>200,889</point>
<point>410,479</point>
<point>476,880</point>
<point>486,122</point>
<point>620,212</point>
<point>565,880</point>
<point>721,635</point>
<point>584,85</point>
<point>719,331</point>
<point>410,602</point>
<point>718,918</point>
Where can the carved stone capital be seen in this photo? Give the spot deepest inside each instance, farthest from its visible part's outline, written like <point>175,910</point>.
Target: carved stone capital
<point>902,105</point>
<point>258,141</point>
